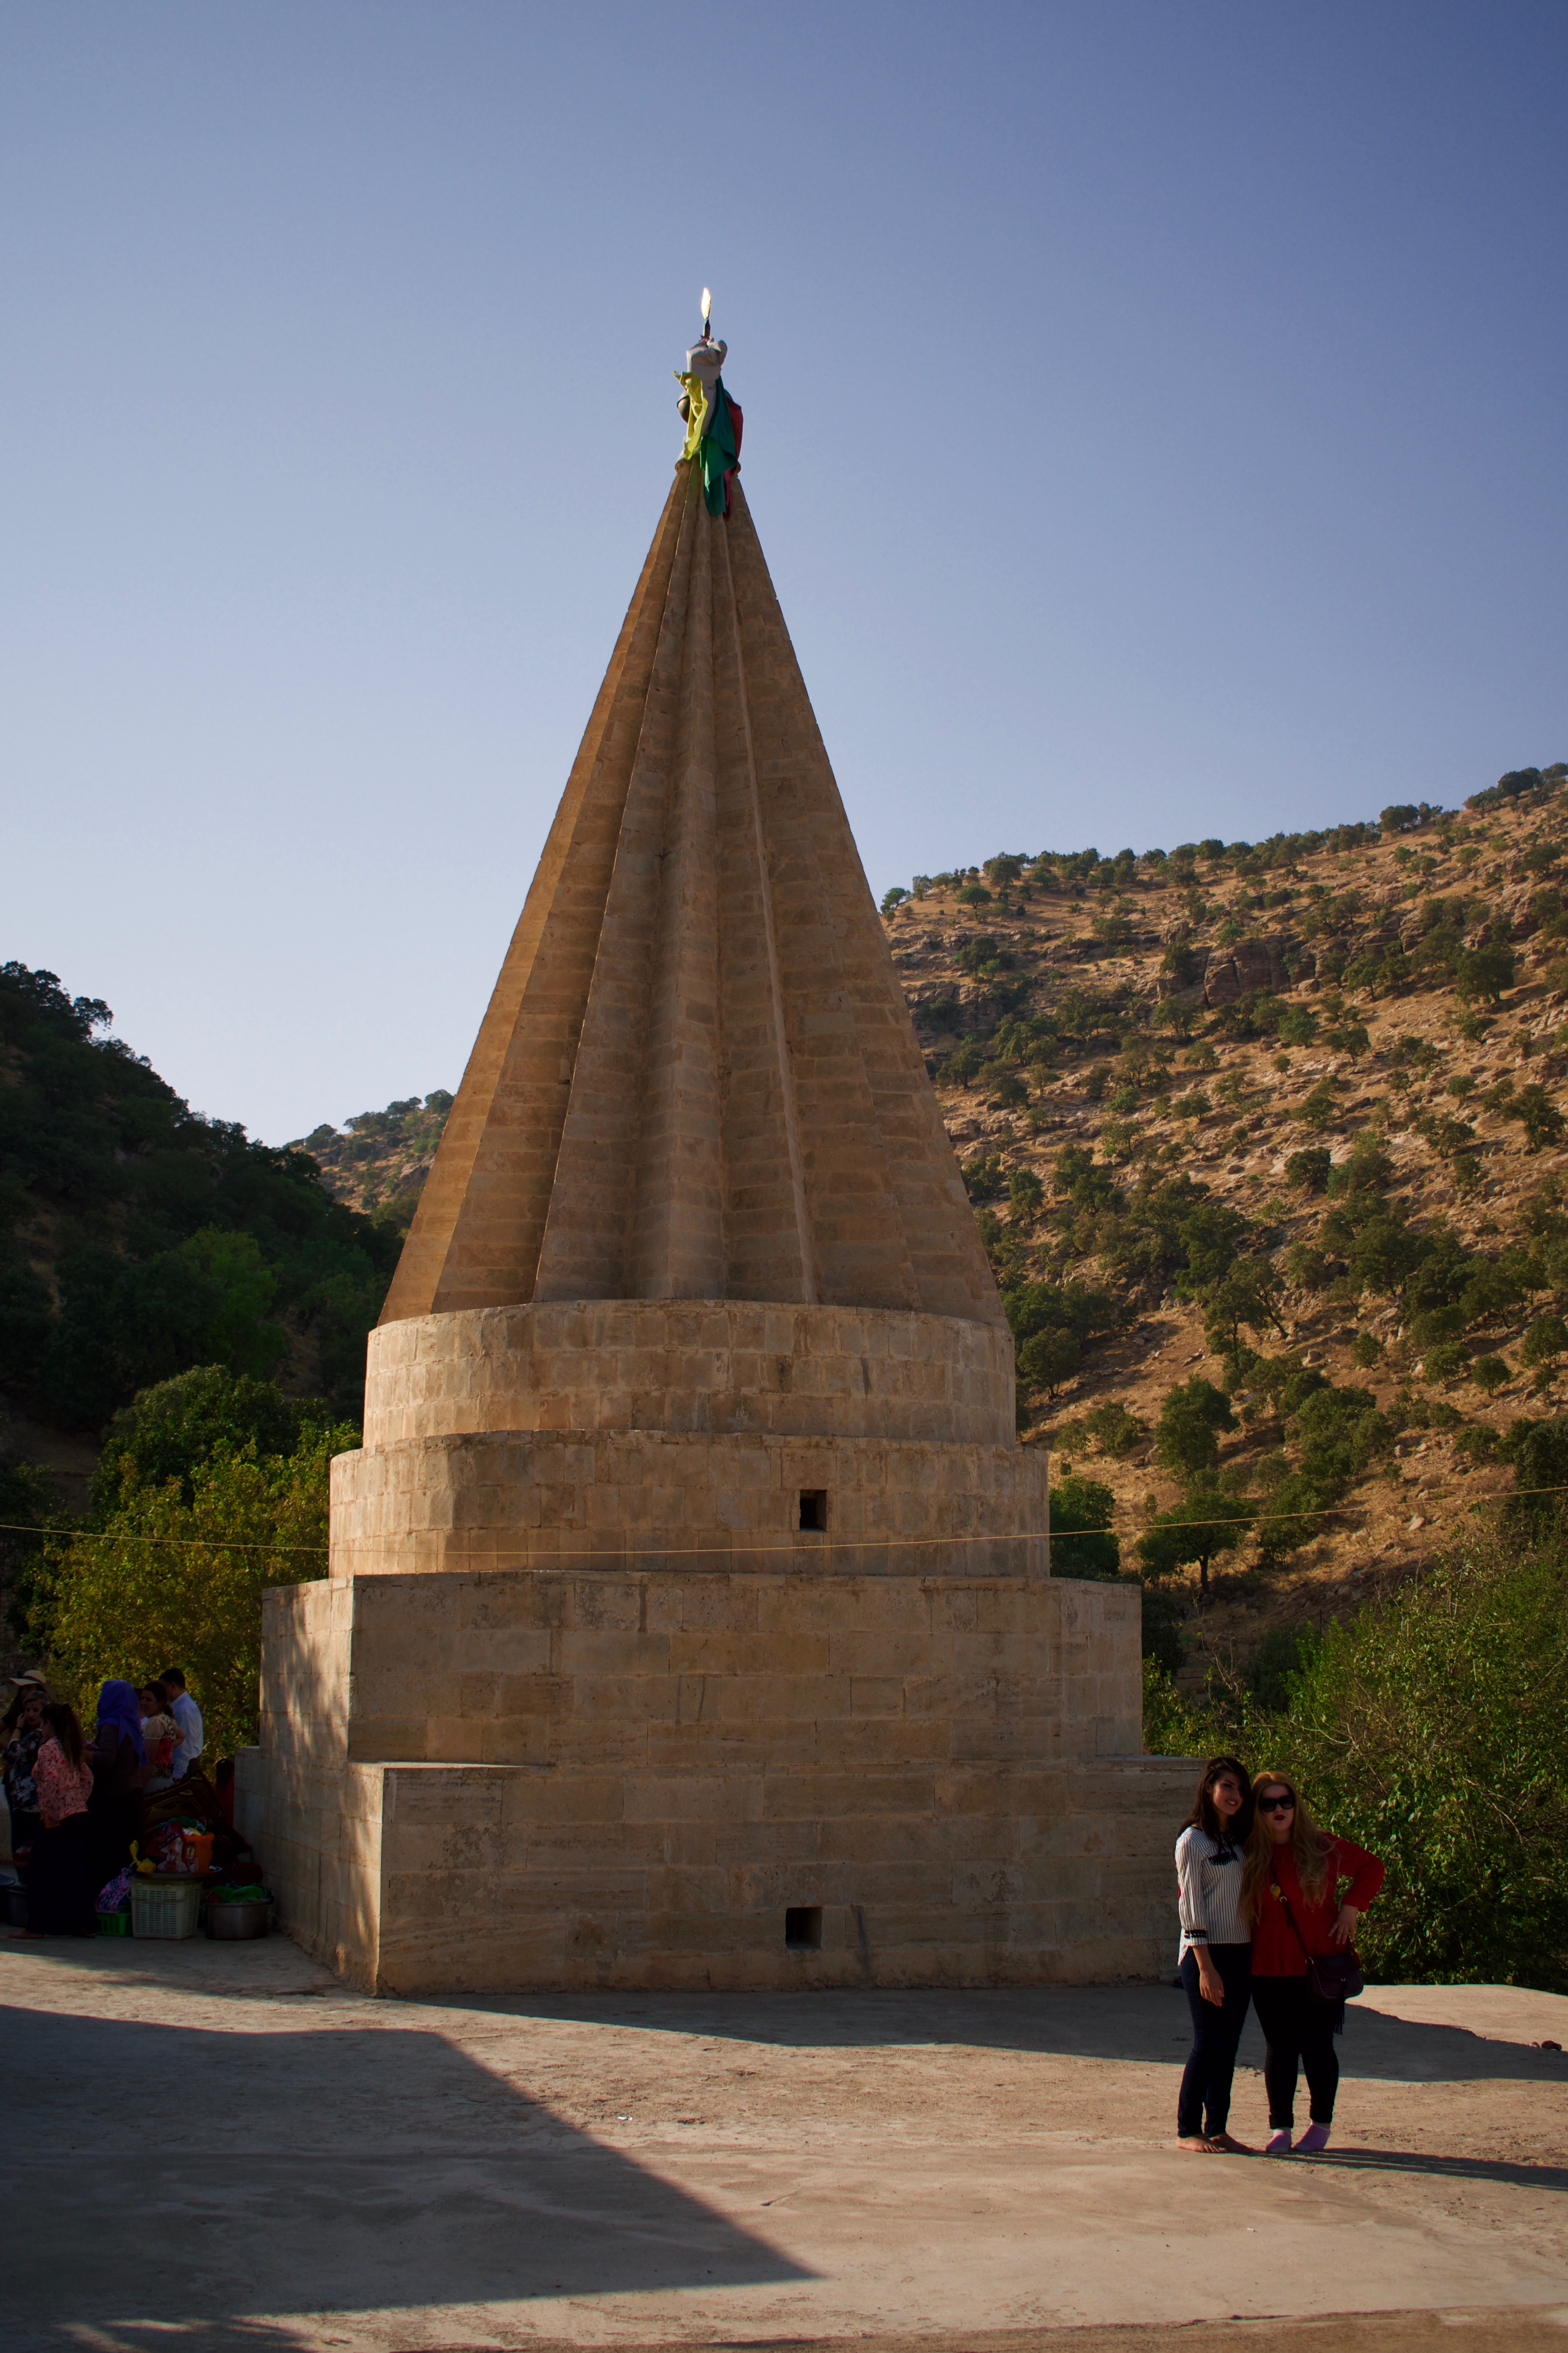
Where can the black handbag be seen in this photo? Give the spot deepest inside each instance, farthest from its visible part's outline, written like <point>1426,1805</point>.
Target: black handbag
<point>1332,1977</point>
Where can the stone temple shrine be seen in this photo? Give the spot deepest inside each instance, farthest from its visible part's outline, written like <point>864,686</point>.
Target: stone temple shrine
<point>689,1620</point>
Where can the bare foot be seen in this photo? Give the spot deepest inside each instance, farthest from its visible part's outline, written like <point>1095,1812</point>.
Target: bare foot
<point>1229,2143</point>
<point>1198,2146</point>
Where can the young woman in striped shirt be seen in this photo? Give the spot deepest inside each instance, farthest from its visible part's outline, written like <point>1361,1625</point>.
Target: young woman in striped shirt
<point>1217,1952</point>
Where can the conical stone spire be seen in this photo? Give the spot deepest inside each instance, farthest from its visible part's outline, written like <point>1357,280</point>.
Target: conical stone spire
<point>698,1079</point>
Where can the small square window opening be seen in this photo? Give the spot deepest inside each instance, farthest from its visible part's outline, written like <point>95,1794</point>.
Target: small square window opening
<point>803,1928</point>
<point>813,1507</point>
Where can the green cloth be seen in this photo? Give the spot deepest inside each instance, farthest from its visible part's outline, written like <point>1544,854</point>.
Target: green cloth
<point>717,451</point>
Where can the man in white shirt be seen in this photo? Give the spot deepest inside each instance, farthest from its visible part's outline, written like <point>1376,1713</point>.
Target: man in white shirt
<point>188,1716</point>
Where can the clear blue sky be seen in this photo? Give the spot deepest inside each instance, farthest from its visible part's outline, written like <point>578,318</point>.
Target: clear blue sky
<point>1154,421</point>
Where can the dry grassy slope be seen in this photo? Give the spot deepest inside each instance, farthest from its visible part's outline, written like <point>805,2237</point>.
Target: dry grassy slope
<point>1408,1507</point>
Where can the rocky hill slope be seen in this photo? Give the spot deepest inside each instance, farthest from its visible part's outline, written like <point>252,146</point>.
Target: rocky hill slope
<point>1265,1142</point>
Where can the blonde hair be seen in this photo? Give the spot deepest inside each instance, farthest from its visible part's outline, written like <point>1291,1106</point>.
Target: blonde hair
<point>1312,1849</point>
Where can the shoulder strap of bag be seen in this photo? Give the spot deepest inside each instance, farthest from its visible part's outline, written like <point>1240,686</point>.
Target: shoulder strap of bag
<point>1291,1917</point>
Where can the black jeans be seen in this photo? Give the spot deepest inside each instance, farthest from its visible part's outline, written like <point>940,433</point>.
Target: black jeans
<point>1203,2105</point>
<point>1296,2030</point>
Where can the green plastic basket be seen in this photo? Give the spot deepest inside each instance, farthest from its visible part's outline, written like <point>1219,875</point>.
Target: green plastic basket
<point>114,1924</point>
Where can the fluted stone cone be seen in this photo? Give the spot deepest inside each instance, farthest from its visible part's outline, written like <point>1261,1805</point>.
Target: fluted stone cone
<point>697,1078</point>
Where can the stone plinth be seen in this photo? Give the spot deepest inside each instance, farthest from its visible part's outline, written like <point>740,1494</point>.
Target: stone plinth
<point>549,1778</point>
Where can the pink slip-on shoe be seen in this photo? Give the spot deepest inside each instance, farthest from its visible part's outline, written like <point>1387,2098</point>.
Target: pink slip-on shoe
<point>1315,2137</point>
<point>1278,2144</point>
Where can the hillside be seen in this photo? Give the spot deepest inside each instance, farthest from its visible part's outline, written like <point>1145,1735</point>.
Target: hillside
<point>138,1238</point>
<point>378,1161</point>
<point>1281,1119</point>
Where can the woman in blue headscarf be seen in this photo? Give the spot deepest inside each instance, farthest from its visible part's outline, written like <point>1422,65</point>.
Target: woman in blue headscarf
<point>118,1754</point>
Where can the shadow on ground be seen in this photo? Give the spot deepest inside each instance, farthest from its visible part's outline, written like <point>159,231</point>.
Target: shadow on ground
<point>458,2190</point>
<point>1120,2022</point>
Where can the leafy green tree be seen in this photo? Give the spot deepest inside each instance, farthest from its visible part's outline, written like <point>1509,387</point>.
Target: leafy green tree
<point>1025,1193</point>
<point>1318,1111</point>
<point>1539,1115</point>
<point>170,1431</point>
<point>1199,1528</point>
<point>984,1176</point>
<point>1048,1361</point>
<point>1482,974</point>
<point>893,898</point>
<point>1187,1434</point>
<point>160,1578</point>
<point>1490,1374</point>
<point>1244,1298</point>
<point>1308,1171</point>
<point>963,1064</point>
<point>1545,1342</point>
<point>1082,1543</point>
<point>1298,1026</point>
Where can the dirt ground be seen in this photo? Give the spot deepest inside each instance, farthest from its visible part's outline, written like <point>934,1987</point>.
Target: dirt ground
<point>220,2146</point>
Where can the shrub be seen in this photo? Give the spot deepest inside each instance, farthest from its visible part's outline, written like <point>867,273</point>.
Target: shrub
<point>1546,1340</point>
<point>1308,1171</point>
<point>1320,1110</point>
<point>974,894</point>
<point>1445,1362</point>
<point>893,898</point>
<point>1114,1429</point>
<point>1367,1350</point>
<point>1492,1374</point>
<point>1539,1115</point>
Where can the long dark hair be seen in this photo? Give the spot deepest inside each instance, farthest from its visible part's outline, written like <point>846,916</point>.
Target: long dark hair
<point>1206,1815</point>
<point>61,1720</point>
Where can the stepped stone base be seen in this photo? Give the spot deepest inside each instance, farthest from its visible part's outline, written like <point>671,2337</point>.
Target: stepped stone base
<point>568,1778</point>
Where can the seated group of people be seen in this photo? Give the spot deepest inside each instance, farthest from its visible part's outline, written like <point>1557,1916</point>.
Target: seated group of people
<point>76,1801</point>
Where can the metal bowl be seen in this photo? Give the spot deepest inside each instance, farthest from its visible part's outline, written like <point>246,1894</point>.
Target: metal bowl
<point>227,1921</point>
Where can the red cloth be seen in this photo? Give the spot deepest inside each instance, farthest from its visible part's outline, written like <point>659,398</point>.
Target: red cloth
<point>1275,1951</point>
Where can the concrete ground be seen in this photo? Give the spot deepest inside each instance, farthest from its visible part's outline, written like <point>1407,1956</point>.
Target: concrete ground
<point>220,2146</point>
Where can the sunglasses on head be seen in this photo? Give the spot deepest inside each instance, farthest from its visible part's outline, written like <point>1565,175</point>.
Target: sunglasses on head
<point>1284,1805</point>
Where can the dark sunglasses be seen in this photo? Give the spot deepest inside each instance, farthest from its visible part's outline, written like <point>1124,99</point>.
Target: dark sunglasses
<point>1277,1805</point>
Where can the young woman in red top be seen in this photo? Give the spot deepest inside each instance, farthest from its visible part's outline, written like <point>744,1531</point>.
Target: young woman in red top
<point>1290,1891</point>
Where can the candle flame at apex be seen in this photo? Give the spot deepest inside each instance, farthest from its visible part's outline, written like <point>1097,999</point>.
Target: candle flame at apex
<point>707,305</point>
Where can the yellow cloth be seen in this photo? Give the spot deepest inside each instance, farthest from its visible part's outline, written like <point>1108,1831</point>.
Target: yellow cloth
<point>696,416</point>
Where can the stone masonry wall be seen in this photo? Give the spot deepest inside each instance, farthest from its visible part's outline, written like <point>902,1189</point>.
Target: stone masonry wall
<point>643,1499</point>
<point>677,1365</point>
<point>560,1778</point>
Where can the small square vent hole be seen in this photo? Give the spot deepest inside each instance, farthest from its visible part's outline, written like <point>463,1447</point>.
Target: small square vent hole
<point>803,1928</point>
<point>813,1507</point>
